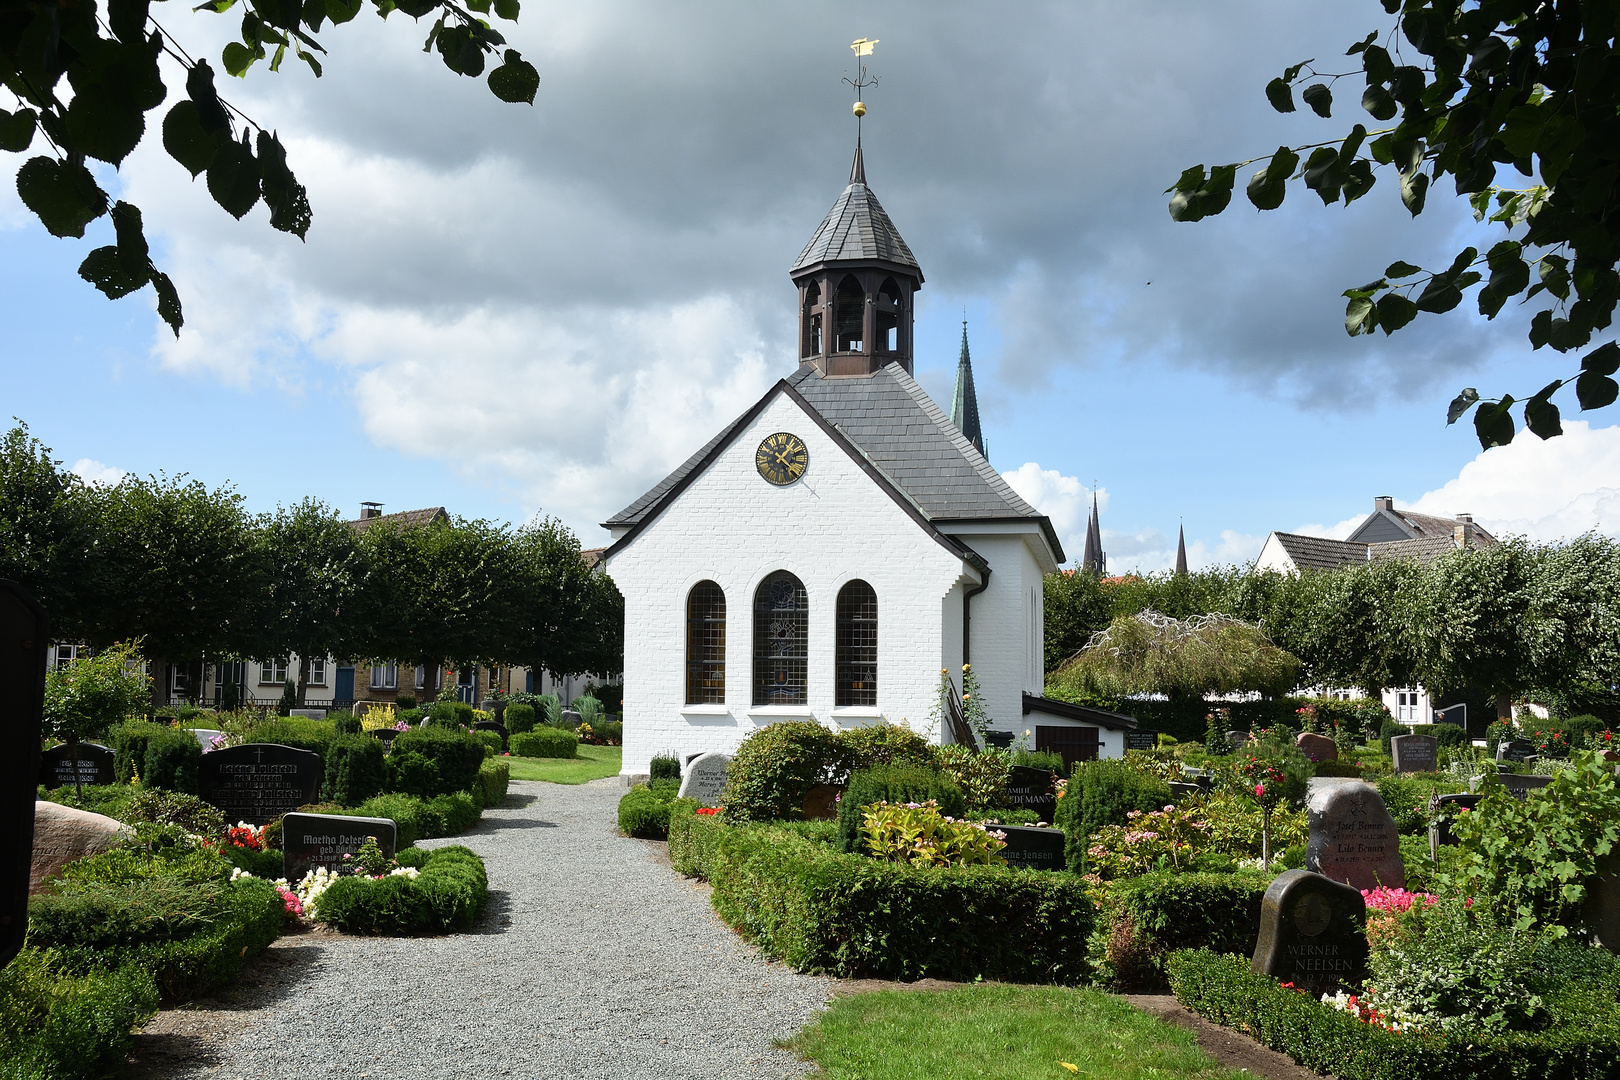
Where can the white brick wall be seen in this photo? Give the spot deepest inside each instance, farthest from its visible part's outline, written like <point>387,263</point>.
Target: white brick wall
<point>833,525</point>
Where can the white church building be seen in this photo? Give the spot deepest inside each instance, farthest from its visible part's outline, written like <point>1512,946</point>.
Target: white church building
<point>841,542</point>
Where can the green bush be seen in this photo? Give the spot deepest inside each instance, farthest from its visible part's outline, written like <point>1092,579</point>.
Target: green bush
<point>411,716</point>
<point>448,896</point>
<point>129,747</point>
<point>110,800</point>
<point>1148,917</point>
<point>1580,1045</point>
<point>492,742</point>
<point>644,810</point>
<point>826,912</point>
<point>610,732</point>
<point>1336,767</point>
<point>1448,734</point>
<point>1388,729</point>
<point>174,808</point>
<point>895,784</point>
<point>519,718</point>
<point>664,767</point>
<point>1407,797</point>
<point>58,1026</point>
<point>344,722</point>
<point>885,744</point>
<point>173,759</point>
<point>405,701</point>
<point>455,757</point>
<point>1101,793</point>
<point>450,714</point>
<point>299,732</point>
<point>1050,760</point>
<point>355,769</point>
<point>546,742</point>
<point>494,776</point>
<point>776,765</point>
<point>420,819</point>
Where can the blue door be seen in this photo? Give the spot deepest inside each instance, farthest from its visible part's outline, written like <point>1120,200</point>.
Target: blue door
<point>344,691</point>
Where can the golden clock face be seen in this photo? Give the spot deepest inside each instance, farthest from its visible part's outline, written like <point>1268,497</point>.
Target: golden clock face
<point>781,458</point>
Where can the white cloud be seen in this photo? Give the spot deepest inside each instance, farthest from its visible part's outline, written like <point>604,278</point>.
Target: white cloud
<point>92,471</point>
<point>1064,499</point>
<point>1333,532</point>
<point>1545,490</point>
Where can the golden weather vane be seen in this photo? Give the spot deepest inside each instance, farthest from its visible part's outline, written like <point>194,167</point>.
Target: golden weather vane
<point>863,48</point>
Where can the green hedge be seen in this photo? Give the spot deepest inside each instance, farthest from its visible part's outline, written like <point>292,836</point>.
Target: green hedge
<point>419,819</point>
<point>827,912</point>
<point>448,895</point>
<point>355,769</point>
<point>1106,791</point>
<point>664,767</point>
<point>450,714</point>
<point>129,747</point>
<point>55,1025</point>
<point>299,732</point>
<point>774,767</point>
<point>894,783</point>
<point>1583,1045</point>
<point>1146,918</point>
<point>518,718</point>
<point>644,810</point>
<point>545,742</point>
<point>430,761</point>
<point>173,760</point>
<point>494,777</point>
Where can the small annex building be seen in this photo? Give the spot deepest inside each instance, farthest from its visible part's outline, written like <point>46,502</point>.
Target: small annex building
<point>834,548</point>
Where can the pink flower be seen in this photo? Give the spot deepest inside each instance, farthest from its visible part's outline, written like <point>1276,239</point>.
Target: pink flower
<point>1259,791</point>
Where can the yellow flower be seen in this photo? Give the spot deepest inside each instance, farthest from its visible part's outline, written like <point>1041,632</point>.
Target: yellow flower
<point>1071,1068</point>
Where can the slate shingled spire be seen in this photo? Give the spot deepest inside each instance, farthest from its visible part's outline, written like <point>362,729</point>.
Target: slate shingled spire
<point>1181,551</point>
<point>1095,560</point>
<point>965,402</point>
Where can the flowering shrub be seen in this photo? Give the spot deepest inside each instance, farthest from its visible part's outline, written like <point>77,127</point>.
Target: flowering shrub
<point>1361,1007</point>
<point>379,716</point>
<point>1395,901</point>
<point>1550,743</point>
<point>247,836</point>
<point>1159,840</point>
<point>982,776</point>
<point>708,811</point>
<point>917,833</point>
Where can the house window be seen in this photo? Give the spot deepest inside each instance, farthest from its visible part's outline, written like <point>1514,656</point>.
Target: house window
<point>317,672</point>
<point>385,676</point>
<point>273,671</point>
<point>856,642</point>
<point>1406,707</point>
<point>421,676</point>
<point>63,655</point>
<point>706,644</point>
<point>781,641</point>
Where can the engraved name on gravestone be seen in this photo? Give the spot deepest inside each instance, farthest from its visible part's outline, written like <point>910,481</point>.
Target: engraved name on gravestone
<point>1141,740</point>
<point>311,840</point>
<point>1353,838</point>
<point>259,782</point>
<point>1515,750</point>
<point>24,632</point>
<point>1415,753</point>
<point>1317,747</point>
<point>94,765</point>
<point>1031,789</point>
<point>499,729</point>
<point>705,778</point>
<point>1312,933</point>
<point>1027,846</point>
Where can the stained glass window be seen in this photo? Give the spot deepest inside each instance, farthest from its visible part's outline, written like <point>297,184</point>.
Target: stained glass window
<point>857,645</point>
<point>781,641</point>
<point>706,645</point>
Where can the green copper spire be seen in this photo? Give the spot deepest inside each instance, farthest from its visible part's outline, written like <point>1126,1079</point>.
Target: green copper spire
<point>965,402</point>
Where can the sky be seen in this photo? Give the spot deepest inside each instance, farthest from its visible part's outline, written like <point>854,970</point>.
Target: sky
<point>514,311</point>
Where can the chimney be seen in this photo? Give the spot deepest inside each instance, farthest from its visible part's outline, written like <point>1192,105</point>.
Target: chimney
<point>1461,531</point>
<point>370,510</point>
<point>1383,502</point>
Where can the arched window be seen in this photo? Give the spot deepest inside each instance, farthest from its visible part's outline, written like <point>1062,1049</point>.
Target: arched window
<point>811,321</point>
<point>781,641</point>
<point>849,309</point>
<point>857,640</point>
<point>706,645</point>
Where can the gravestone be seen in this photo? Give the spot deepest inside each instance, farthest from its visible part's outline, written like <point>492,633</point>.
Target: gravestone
<point>205,737</point>
<point>259,782</point>
<point>821,801</point>
<point>308,714</point>
<point>1317,747</point>
<point>1515,750</point>
<point>386,734</point>
<point>1182,791</point>
<point>63,834</point>
<point>24,632</point>
<point>1001,740</point>
<point>1353,838</point>
<point>1031,789</point>
<point>705,778</point>
<point>1521,786</point>
<point>1415,753</point>
<point>311,840</point>
<point>499,729</point>
<point>1313,933</point>
<point>1141,740</point>
<point>1236,739</point>
<point>571,719</point>
<point>1036,849</point>
<point>1601,908</point>
<point>1440,833</point>
<point>94,765</point>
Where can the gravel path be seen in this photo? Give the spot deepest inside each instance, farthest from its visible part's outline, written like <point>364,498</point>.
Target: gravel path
<point>593,959</point>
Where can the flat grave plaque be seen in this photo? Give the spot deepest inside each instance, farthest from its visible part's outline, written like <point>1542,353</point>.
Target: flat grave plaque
<point>1313,933</point>
<point>1353,837</point>
<point>386,734</point>
<point>1415,753</point>
<point>24,632</point>
<point>1031,789</point>
<point>705,778</point>
<point>258,782</point>
<point>499,729</point>
<point>1032,848</point>
<point>205,737</point>
<point>94,765</point>
<point>311,840</point>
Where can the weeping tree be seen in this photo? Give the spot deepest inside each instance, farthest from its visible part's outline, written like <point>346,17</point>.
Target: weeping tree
<point>1152,653</point>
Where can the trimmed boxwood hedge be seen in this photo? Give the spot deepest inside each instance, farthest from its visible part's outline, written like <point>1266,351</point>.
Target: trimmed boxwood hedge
<point>129,747</point>
<point>894,783</point>
<point>827,912</point>
<point>1107,791</point>
<point>429,761</point>
<point>61,1026</point>
<point>546,742</point>
<point>518,718</point>
<point>1583,1044</point>
<point>448,895</point>
<point>173,761</point>
<point>418,819</point>
<point>644,810</point>
<point>354,769</point>
<point>494,776</point>
<point>1145,918</point>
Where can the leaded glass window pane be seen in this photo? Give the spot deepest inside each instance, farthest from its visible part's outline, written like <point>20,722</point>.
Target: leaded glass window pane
<point>857,645</point>
<point>781,641</point>
<point>706,645</point>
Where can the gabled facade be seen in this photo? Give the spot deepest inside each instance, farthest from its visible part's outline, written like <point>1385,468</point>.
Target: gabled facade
<point>1387,533</point>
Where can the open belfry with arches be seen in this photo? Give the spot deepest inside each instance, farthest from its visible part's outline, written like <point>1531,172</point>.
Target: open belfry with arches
<point>828,553</point>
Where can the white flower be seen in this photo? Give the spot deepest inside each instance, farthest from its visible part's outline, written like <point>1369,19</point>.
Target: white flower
<point>237,873</point>
<point>410,872</point>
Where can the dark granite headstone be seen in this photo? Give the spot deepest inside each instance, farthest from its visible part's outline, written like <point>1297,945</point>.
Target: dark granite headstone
<point>1236,739</point>
<point>821,801</point>
<point>94,761</point>
<point>24,633</point>
<point>311,840</point>
<point>259,782</point>
<point>1353,838</point>
<point>1521,786</point>
<point>705,778</point>
<point>1415,753</point>
<point>1317,747</point>
<point>1001,740</point>
<point>1313,933</point>
<point>1440,833</point>
<point>1035,849</point>
<point>499,729</point>
<point>1031,789</point>
<point>1515,750</point>
<point>386,734</point>
<point>1141,740</point>
<point>1182,791</point>
<point>1602,907</point>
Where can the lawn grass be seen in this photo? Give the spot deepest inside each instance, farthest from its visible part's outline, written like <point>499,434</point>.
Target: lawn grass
<point>593,763</point>
<point>999,1033</point>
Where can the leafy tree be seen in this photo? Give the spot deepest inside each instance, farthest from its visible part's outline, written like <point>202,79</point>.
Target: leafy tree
<point>111,64</point>
<point>1476,86</point>
<point>1150,653</point>
<point>1076,606</point>
<point>92,694</point>
<point>309,561</point>
<point>44,538</point>
<point>1340,625</point>
<point>571,615</point>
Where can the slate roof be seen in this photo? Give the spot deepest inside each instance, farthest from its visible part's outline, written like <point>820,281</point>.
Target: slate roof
<point>1423,549</point>
<point>407,518</point>
<point>857,227</point>
<point>1320,553</point>
<point>1413,526</point>
<point>896,426</point>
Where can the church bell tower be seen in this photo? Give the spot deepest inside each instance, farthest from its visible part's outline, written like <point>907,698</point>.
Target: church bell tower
<point>856,277</point>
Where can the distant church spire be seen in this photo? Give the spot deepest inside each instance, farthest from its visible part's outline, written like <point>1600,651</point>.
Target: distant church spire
<point>1095,560</point>
<point>965,403</point>
<point>1181,551</point>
